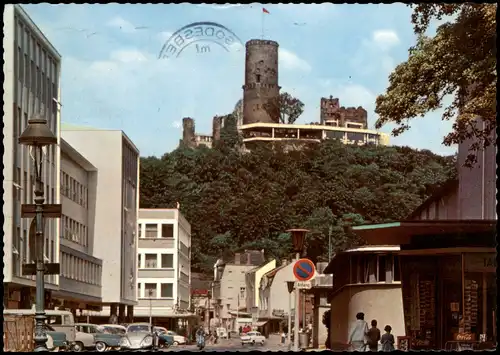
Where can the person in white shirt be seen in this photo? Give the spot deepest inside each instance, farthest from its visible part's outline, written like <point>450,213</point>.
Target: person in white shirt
<point>359,330</point>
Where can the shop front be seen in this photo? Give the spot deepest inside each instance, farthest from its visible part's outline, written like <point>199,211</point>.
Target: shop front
<point>448,278</point>
<point>449,300</point>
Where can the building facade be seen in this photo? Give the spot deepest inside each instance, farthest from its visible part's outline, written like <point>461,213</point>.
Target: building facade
<point>230,289</point>
<point>253,280</point>
<point>31,86</point>
<point>164,264</point>
<point>117,203</point>
<point>81,272</point>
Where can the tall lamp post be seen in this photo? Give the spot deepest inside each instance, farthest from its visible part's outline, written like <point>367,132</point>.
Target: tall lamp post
<point>298,238</point>
<point>290,285</point>
<point>150,294</point>
<point>38,135</point>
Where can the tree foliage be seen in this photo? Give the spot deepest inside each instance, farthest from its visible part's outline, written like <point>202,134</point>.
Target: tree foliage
<point>460,60</point>
<point>236,201</point>
<point>286,107</point>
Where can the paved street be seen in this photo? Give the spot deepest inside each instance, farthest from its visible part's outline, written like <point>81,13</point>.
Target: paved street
<point>234,344</point>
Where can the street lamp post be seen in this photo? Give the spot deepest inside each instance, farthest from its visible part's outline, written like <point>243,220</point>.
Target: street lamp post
<point>290,285</point>
<point>38,135</point>
<point>298,238</point>
<point>150,294</point>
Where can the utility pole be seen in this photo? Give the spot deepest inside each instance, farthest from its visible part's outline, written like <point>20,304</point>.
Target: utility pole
<point>330,230</point>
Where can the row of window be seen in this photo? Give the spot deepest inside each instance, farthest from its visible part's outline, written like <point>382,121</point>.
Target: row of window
<point>34,66</point>
<point>78,269</point>
<point>152,230</point>
<point>74,190</point>
<point>155,290</point>
<point>155,261</point>
<point>24,191</point>
<point>74,231</point>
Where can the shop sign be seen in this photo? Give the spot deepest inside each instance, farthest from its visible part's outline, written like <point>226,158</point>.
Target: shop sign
<point>481,262</point>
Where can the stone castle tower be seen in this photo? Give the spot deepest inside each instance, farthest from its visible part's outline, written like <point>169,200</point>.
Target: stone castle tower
<point>261,81</point>
<point>188,132</point>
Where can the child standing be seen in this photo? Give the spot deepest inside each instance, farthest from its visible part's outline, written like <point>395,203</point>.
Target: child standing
<point>373,336</point>
<point>387,339</point>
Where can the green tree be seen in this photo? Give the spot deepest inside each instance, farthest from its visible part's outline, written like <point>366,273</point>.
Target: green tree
<point>229,135</point>
<point>240,201</point>
<point>286,107</point>
<point>460,60</point>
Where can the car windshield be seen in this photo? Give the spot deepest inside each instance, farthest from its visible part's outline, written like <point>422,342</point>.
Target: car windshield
<point>138,328</point>
<point>111,330</point>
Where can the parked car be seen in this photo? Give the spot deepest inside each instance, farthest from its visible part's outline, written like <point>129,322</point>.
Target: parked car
<point>91,336</point>
<point>114,329</point>
<point>178,339</point>
<point>253,338</point>
<point>56,341</point>
<point>164,340</point>
<point>139,336</point>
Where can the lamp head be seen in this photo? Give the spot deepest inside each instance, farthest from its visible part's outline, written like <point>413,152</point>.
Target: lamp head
<point>38,133</point>
<point>298,238</point>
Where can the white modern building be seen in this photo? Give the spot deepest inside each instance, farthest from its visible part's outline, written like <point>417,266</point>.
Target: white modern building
<point>31,67</point>
<point>164,265</point>
<point>81,272</point>
<point>116,159</point>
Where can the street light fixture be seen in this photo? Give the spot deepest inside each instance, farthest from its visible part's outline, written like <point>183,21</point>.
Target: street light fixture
<point>38,135</point>
<point>291,286</point>
<point>298,238</point>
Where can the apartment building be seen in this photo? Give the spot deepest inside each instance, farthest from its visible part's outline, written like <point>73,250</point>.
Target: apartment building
<point>81,272</point>
<point>116,210</point>
<point>230,289</point>
<point>164,265</point>
<point>31,86</point>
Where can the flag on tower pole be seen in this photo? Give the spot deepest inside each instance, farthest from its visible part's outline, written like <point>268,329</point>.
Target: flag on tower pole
<point>264,11</point>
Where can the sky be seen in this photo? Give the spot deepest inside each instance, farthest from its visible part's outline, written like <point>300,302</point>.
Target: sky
<point>113,78</point>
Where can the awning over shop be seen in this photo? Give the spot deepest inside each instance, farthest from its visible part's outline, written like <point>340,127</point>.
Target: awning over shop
<point>261,323</point>
<point>400,233</point>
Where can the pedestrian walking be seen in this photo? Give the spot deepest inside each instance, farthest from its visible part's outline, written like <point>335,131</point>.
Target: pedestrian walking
<point>373,336</point>
<point>359,330</point>
<point>387,339</point>
<point>283,337</point>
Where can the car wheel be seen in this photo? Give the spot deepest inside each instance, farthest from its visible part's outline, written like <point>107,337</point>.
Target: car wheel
<point>175,343</point>
<point>242,344</point>
<point>77,347</point>
<point>100,347</point>
<point>253,342</point>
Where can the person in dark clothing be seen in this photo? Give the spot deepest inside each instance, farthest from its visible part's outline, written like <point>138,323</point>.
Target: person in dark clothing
<point>387,340</point>
<point>241,329</point>
<point>373,336</point>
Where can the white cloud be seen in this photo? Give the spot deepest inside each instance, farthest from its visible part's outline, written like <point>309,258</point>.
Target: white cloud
<point>385,39</point>
<point>128,55</point>
<point>177,124</point>
<point>164,36</point>
<point>122,24</point>
<point>290,61</point>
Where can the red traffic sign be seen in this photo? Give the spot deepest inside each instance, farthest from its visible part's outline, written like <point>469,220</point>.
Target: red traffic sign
<point>304,269</point>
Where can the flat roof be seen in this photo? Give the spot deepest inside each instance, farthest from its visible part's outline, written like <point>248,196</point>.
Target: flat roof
<point>72,127</point>
<point>67,149</point>
<point>399,233</point>
<point>308,127</point>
